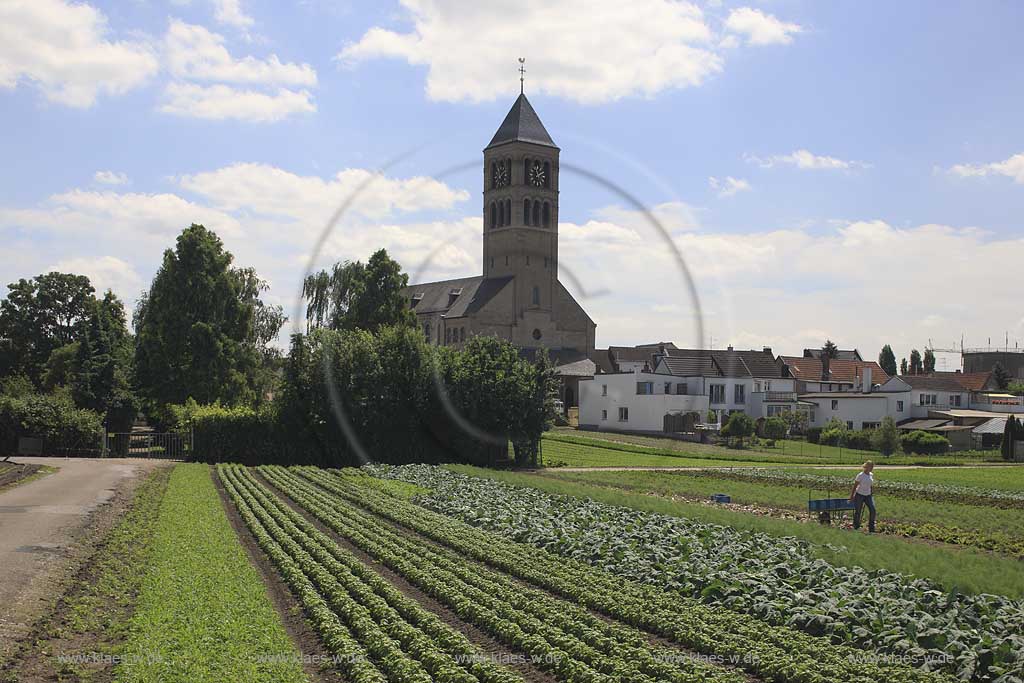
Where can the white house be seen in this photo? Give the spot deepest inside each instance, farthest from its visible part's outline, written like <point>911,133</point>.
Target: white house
<point>639,402</point>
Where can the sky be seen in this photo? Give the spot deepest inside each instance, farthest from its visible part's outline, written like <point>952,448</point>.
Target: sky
<point>852,171</point>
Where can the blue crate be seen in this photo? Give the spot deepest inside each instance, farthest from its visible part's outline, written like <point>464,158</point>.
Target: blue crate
<point>828,504</point>
<point>720,498</point>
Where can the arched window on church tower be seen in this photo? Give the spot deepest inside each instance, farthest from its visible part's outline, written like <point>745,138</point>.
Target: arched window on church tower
<point>526,212</point>
<point>547,215</point>
<point>508,212</point>
<point>494,216</point>
<point>501,213</point>
<point>547,174</point>
<point>508,167</point>
<point>536,213</point>
<point>526,171</point>
<point>536,296</point>
<point>494,174</point>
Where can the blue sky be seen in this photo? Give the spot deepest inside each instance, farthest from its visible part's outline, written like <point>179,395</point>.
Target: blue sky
<point>850,170</point>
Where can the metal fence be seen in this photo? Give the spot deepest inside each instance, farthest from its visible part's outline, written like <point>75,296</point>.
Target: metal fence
<point>166,445</point>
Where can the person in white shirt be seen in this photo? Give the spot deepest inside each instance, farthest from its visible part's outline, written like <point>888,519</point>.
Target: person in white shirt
<point>861,496</point>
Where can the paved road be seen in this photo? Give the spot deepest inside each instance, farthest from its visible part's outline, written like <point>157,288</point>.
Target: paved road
<point>42,520</point>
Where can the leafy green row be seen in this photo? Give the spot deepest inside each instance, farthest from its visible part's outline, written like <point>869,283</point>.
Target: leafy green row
<point>379,614</point>
<point>352,657</point>
<point>777,653</point>
<point>778,580</point>
<point>614,651</point>
<point>943,493</point>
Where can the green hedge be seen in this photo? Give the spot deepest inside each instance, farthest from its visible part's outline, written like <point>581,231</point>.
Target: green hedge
<point>924,443</point>
<point>65,429</point>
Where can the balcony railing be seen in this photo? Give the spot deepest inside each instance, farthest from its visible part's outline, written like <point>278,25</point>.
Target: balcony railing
<point>778,397</point>
<point>985,400</point>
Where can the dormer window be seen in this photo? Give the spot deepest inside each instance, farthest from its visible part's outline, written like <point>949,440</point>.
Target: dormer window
<point>415,299</point>
<point>454,294</point>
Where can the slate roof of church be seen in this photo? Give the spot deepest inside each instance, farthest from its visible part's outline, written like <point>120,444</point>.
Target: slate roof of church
<point>474,295</point>
<point>522,124</point>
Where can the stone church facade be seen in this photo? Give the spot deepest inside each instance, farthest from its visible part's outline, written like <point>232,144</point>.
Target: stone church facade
<point>518,297</point>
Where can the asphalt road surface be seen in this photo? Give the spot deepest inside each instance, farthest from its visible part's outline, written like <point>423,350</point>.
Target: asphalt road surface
<point>40,524</point>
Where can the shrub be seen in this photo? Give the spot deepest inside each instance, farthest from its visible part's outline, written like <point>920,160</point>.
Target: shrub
<point>64,428</point>
<point>886,438</point>
<point>924,443</point>
<point>739,426</point>
<point>775,428</point>
<point>857,439</point>
<point>813,434</point>
<point>831,436</point>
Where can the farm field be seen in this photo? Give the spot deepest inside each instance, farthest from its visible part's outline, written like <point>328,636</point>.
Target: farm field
<point>1003,478</point>
<point>928,513</point>
<point>573,448</point>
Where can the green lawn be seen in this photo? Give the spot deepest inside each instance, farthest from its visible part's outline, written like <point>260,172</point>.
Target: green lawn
<point>1009,477</point>
<point>203,614</point>
<point>573,452</point>
<point>961,568</point>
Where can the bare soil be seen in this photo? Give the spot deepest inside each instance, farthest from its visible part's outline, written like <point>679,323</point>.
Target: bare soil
<point>12,472</point>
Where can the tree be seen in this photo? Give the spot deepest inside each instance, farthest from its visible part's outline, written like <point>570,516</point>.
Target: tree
<point>916,366</point>
<point>830,349</point>
<point>904,370</point>
<point>195,337</point>
<point>1012,433</point>
<point>796,421</point>
<point>353,296</point>
<point>929,361</point>
<point>739,426</point>
<point>1001,376</point>
<point>775,428</point>
<point>1016,388</point>
<point>101,376</point>
<point>887,360</point>
<point>886,438</point>
<point>39,316</point>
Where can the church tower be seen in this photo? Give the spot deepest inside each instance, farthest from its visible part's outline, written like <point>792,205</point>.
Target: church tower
<point>520,233</point>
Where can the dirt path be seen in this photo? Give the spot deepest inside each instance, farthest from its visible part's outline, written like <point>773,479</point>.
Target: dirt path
<point>42,525</point>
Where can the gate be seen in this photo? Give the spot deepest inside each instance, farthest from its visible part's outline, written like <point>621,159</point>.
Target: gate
<point>166,445</point>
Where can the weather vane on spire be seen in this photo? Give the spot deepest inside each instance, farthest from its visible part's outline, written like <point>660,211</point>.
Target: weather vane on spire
<point>522,73</point>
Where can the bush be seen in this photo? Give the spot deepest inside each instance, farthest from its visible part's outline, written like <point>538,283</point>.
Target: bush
<point>831,436</point>
<point>65,429</point>
<point>886,438</point>
<point>775,428</point>
<point>813,434</point>
<point>739,426</point>
<point>924,443</point>
<point>858,439</point>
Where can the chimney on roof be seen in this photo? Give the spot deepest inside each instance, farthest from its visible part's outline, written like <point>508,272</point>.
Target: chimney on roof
<point>866,373</point>
<point>729,348</point>
<point>768,350</point>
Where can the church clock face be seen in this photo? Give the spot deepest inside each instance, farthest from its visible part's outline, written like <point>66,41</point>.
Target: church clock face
<point>500,175</point>
<point>537,177</point>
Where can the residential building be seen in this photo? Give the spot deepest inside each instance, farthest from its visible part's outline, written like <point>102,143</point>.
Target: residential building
<point>640,402</point>
<point>823,374</point>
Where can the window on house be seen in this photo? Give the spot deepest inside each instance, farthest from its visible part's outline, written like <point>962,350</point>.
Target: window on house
<point>870,425</point>
<point>668,387</point>
<point>426,330</point>
<point>849,424</point>
<point>604,389</point>
<point>740,393</point>
<point>462,334</point>
<point>447,335</point>
<point>954,400</point>
<point>681,389</point>
<point>899,406</point>
<point>644,388</point>
<point>604,414</point>
<point>835,404</point>
<point>717,393</point>
<point>929,399</point>
<point>623,414</point>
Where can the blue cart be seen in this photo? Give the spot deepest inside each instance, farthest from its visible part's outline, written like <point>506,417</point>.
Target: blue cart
<point>828,507</point>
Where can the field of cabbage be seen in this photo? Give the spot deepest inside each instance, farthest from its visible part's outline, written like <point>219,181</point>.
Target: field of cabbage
<point>772,579</point>
<point>400,592</point>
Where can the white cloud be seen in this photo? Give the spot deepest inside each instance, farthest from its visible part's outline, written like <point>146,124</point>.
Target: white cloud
<point>1011,168</point>
<point>62,48</point>
<point>270,191</point>
<point>760,28</point>
<point>195,53</point>
<point>230,12</point>
<point>585,50</point>
<point>804,159</point>
<point>728,186</point>
<point>105,272</point>
<point>220,102</point>
<point>110,178</point>
<point>112,214</point>
<point>670,216</point>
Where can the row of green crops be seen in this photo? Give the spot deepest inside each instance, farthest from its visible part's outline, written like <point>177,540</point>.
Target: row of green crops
<point>776,579</point>
<point>375,633</point>
<point>563,638</point>
<point>774,653</point>
<point>949,493</point>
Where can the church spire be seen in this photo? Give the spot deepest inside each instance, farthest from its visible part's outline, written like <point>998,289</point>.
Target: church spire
<point>522,124</point>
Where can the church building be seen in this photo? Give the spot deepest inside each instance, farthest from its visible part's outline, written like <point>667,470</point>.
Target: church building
<point>518,297</point>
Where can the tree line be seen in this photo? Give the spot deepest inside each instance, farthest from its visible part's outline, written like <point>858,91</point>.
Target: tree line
<point>202,356</point>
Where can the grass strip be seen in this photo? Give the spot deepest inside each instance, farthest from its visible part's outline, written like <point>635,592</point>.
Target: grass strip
<point>203,614</point>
